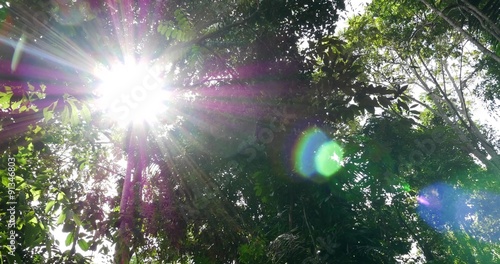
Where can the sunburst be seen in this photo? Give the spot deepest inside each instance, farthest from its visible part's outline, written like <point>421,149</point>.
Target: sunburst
<point>130,92</point>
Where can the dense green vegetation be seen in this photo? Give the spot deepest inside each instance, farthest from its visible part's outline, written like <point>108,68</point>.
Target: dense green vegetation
<point>249,132</point>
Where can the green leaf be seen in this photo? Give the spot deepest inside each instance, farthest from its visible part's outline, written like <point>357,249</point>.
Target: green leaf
<point>32,235</point>
<point>384,101</point>
<point>168,32</point>
<point>403,105</point>
<point>258,190</point>
<point>22,197</point>
<point>73,112</point>
<point>74,117</point>
<point>65,115</point>
<point>49,206</point>
<point>5,99</point>
<point>31,87</point>
<point>5,181</point>
<point>61,218</point>
<point>30,217</point>
<point>60,196</point>
<point>36,194</point>
<point>83,244</point>
<point>48,112</point>
<point>77,219</point>
<point>85,113</point>
<point>37,129</point>
<point>69,239</point>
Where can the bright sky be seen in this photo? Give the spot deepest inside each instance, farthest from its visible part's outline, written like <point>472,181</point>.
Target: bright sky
<point>353,7</point>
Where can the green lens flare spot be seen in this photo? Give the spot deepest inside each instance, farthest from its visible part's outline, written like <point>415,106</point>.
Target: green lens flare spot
<point>305,150</point>
<point>316,156</point>
<point>328,159</point>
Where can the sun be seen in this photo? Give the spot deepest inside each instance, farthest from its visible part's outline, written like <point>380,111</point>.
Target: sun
<point>130,93</point>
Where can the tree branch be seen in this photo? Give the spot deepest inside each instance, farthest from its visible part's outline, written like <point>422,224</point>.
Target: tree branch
<point>462,31</point>
<point>494,31</point>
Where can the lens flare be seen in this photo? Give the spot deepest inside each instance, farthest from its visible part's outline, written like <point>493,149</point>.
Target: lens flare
<point>314,154</point>
<point>130,93</point>
<point>445,208</point>
<point>328,158</point>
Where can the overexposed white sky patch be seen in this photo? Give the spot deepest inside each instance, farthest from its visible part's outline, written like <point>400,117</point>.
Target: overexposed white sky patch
<point>352,8</point>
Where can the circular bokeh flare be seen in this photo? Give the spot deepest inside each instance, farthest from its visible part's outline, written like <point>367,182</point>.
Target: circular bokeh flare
<point>447,208</point>
<point>314,154</point>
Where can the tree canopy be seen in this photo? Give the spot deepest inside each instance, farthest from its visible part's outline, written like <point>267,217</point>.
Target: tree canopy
<point>249,132</point>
